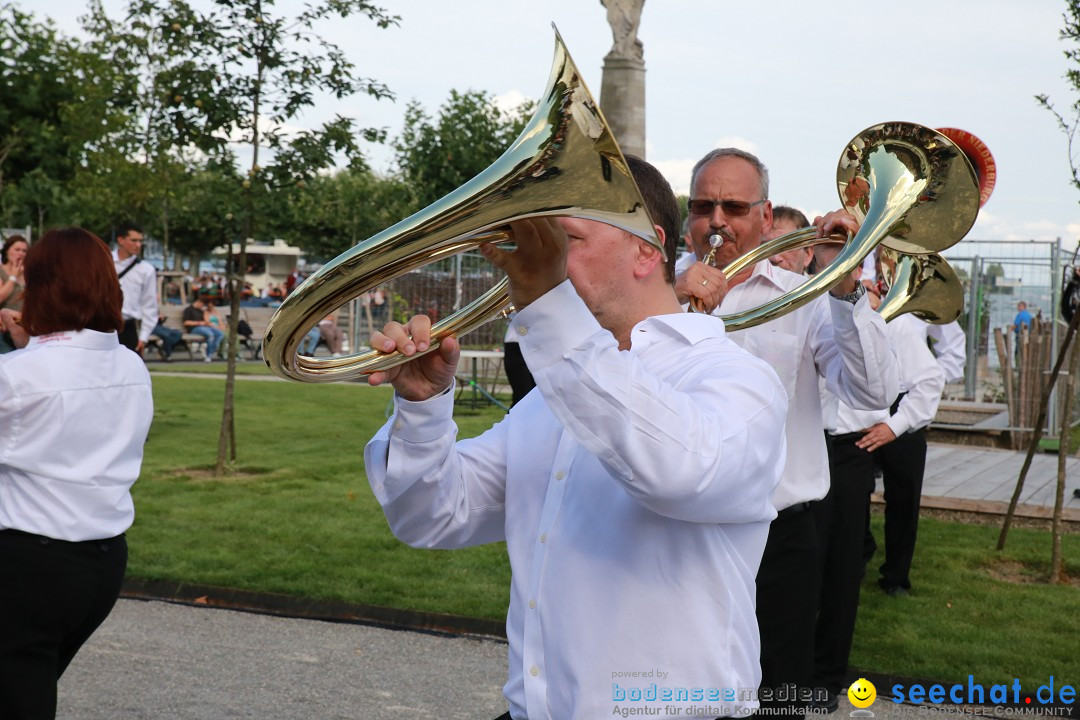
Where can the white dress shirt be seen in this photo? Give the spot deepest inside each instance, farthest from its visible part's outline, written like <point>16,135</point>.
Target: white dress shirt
<point>950,349</point>
<point>139,286</point>
<point>920,377</point>
<point>75,408</point>
<point>633,494</point>
<point>844,344</point>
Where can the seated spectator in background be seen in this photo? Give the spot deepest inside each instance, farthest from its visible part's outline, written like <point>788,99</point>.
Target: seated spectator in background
<point>213,316</point>
<point>169,338</point>
<point>75,409</point>
<point>310,342</point>
<point>331,334</point>
<point>11,282</point>
<point>195,322</point>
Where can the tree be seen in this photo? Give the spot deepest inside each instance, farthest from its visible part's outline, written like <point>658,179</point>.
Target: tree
<point>331,213</point>
<point>239,73</point>
<point>1070,32</point>
<point>471,132</point>
<point>1069,125</point>
<point>55,100</point>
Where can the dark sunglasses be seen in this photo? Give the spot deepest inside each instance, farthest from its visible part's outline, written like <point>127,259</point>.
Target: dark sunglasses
<point>731,208</point>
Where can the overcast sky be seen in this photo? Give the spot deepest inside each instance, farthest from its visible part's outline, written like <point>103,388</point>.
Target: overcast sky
<point>792,82</point>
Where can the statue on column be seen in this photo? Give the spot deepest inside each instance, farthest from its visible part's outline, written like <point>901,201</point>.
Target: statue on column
<point>624,16</point>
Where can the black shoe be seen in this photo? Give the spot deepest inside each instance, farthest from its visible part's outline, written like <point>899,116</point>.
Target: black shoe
<point>827,706</point>
<point>892,590</point>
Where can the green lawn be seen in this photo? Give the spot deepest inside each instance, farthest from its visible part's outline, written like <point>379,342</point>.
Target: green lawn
<point>297,517</point>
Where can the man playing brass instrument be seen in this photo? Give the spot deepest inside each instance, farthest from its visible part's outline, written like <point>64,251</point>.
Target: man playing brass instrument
<point>840,339</point>
<point>631,486</point>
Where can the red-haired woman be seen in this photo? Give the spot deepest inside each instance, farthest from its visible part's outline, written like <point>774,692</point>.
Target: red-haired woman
<point>75,408</point>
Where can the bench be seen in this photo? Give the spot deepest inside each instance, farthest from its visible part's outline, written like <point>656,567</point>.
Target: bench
<point>173,317</point>
<point>257,318</point>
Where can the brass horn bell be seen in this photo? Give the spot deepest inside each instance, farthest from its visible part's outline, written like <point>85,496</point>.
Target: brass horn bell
<point>565,163</point>
<point>912,190</point>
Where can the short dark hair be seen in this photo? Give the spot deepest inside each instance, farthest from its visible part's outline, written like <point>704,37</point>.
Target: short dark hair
<point>128,227</point>
<point>662,206</point>
<point>11,240</point>
<point>792,215</point>
<point>71,284</point>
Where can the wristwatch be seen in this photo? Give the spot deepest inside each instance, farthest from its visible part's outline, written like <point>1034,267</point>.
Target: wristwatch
<point>853,296</point>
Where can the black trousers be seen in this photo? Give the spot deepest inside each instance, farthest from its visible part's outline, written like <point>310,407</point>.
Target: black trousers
<point>841,521</point>
<point>517,372</point>
<point>788,586</point>
<point>53,595</point>
<point>129,336</point>
<point>902,464</point>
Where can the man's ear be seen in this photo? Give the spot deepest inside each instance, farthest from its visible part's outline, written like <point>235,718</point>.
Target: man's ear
<point>649,256</point>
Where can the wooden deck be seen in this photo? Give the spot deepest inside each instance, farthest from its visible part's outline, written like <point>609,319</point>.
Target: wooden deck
<point>983,480</point>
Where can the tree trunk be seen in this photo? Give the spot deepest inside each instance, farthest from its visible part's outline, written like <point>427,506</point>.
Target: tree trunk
<point>1057,575</point>
<point>1066,344</point>
<point>227,436</point>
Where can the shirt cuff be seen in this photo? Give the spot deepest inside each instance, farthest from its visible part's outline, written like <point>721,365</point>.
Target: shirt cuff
<point>898,424</point>
<point>422,420</point>
<point>552,325</point>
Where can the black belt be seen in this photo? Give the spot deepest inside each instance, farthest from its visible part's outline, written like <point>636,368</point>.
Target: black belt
<point>45,540</point>
<point>796,509</point>
<point>847,437</point>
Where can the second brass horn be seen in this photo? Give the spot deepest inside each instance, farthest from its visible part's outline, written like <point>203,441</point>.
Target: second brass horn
<point>912,190</point>
<point>565,163</point>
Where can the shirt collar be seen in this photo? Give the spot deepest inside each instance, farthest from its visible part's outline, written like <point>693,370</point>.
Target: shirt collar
<point>692,327</point>
<point>86,339</point>
<point>767,272</point>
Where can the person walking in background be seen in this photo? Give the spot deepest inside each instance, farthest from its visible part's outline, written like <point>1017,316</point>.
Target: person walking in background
<point>75,409</point>
<point>11,282</point>
<point>1022,320</point>
<point>899,442</point>
<point>138,281</point>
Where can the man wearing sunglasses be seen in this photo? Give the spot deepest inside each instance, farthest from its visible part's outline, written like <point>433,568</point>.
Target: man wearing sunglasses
<point>839,338</point>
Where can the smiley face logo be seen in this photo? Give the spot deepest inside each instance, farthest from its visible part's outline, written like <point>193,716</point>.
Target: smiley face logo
<point>862,693</point>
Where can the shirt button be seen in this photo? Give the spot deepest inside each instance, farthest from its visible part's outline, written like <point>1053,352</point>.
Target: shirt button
<point>532,604</point>
<point>397,424</point>
<point>534,671</point>
<point>543,537</point>
<point>523,331</point>
<point>560,475</point>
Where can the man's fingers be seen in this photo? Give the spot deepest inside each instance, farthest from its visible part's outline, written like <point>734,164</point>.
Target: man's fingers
<point>495,255</point>
<point>420,330</point>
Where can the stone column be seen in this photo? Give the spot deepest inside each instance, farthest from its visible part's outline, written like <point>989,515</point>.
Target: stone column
<point>622,100</point>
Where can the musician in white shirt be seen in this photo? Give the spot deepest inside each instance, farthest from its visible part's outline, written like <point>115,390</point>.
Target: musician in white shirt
<point>839,338</point>
<point>949,345</point>
<point>843,515</point>
<point>631,486</point>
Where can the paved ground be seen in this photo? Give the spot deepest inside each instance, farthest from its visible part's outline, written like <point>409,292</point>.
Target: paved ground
<point>155,660</point>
